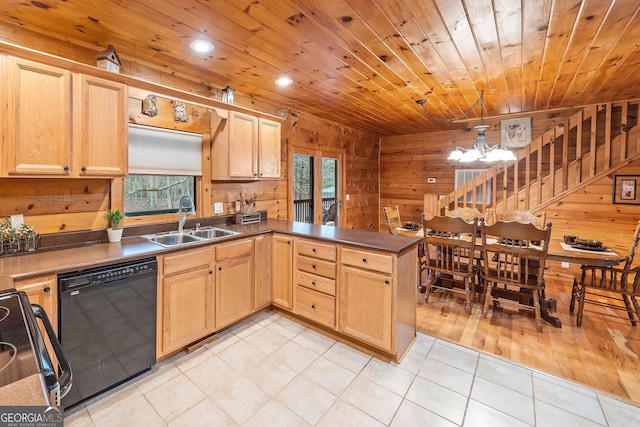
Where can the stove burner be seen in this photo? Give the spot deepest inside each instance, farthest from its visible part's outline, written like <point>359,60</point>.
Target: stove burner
<point>4,354</point>
<point>5,314</point>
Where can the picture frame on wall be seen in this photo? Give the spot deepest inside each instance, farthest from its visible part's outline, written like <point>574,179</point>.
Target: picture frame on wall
<point>626,189</point>
<point>515,133</point>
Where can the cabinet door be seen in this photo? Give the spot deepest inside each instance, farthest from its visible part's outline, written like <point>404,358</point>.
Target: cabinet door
<point>187,308</point>
<point>262,272</point>
<point>101,127</point>
<point>269,145</point>
<point>282,291</point>
<point>37,131</point>
<point>234,283</point>
<point>243,148</point>
<point>365,313</point>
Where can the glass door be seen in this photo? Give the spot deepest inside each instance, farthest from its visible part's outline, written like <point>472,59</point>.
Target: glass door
<point>316,186</point>
<point>303,187</point>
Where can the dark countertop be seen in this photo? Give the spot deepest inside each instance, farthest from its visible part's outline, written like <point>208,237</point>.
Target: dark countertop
<point>79,257</point>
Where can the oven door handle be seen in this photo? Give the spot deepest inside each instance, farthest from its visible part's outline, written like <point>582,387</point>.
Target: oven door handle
<point>65,379</point>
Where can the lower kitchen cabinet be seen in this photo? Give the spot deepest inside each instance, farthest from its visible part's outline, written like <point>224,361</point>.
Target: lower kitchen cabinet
<point>365,306</point>
<point>187,298</point>
<point>234,282</point>
<point>43,291</point>
<point>282,270</point>
<point>262,271</point>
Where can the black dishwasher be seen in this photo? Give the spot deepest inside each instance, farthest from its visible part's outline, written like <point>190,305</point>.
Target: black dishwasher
<point>107,325</point>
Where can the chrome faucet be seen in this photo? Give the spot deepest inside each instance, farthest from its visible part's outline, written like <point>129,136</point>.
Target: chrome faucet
<point>182,216</point>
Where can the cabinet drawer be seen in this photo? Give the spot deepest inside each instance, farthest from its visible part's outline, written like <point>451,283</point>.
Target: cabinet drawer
<point>316,266</point>
<point>317,283</point>
<point>187,260</point>
<point>368,260</point>
<point>234,249</point>
<point>316,250</point>
<point>316,306</point>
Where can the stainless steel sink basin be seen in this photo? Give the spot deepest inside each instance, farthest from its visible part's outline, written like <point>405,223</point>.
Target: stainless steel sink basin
<point>172,238</point>
<point>212,232</point>
<point>176,238</point>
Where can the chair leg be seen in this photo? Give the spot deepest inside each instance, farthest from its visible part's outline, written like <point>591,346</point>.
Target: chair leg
<point>536,308</point>
<point>581,293</point>
<point>487,297</point>
<point>574,296</point>
<point>635,305</point>
<point>467,292</point>
<point>627,304</point>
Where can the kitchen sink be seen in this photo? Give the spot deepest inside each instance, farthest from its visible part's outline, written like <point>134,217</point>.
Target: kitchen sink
<point>177,238</point>
<point>212,232</point>
<point>172,238</point>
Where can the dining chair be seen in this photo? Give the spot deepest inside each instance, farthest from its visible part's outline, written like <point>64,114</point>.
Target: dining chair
<point>450,245</point>
<point>466,213</point>
<point>422,260</point>
<point>539,220</point>
<point>392,218</point>
<point>513,257</point>
<point>601,284</point>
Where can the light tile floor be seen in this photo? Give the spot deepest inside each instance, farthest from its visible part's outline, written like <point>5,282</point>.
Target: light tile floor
<point>270,371</point>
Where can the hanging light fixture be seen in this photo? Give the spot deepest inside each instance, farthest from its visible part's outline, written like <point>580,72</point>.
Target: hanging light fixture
<point>480,150</point>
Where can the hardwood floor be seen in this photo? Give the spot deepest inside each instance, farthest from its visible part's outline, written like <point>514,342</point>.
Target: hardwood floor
<point>604,353</point>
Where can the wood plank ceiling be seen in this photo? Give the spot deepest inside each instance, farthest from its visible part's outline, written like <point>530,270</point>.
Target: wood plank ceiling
<point>364,63</point>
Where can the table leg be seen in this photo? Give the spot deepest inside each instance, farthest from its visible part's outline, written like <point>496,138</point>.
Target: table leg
<point>545,306</point>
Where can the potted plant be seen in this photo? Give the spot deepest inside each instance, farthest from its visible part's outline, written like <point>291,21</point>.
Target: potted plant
<point>114,216</point>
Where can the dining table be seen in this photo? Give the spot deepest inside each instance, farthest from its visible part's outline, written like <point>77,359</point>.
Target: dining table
<point>558,251</point>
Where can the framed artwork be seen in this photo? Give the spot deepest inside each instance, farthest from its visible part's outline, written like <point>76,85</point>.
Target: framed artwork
<point>515,133</point>
<point>626,189</point>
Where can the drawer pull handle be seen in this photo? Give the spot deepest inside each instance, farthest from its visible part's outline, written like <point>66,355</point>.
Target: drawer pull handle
<point>219,268</point>
<point>313,283</point>
<point>313,250</point>
<point>313,306</point>
<point>386,282</point>
<point>364,260</point>
<point>66,168</point>
<point>47,289</point>
<point>84,169</point>
<point>313,266</point>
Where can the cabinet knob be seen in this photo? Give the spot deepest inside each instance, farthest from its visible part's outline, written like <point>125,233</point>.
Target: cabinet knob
<point>386,282</point>
<point>66,168</point>
<point>313,266</point>
<point>47,289</point>
<point>210,271</point>
<point>313,250</point>
<point>84,169</point>
<point>219,268</point>
<point>364,260</point>
<point>313,306</point>
<point>313,283</point>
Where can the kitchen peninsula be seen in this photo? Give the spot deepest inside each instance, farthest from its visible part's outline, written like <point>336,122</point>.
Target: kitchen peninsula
<point>355,285</point>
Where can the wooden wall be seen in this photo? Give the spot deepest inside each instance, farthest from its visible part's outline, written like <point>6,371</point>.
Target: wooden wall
<point>407,161</point>
<point>61,205</point>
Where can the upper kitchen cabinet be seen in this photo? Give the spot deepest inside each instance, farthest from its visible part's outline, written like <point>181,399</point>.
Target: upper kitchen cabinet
<point>245,147</point>
<point>101,127</point>
<point>47,132</point>
<point>36,127</point>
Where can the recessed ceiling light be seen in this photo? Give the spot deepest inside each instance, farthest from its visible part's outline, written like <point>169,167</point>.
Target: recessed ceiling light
<point>284,81</point>
<point>201,46</point>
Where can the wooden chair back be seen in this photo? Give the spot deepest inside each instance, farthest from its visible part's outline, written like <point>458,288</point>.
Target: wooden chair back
<point>392,218</point>
<point>466,213</point>
<point>632,249</point>
<point>524,217</point>
<point>450,245</point>
<point>514,256</point>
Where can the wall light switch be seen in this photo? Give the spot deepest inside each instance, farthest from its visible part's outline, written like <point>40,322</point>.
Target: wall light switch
<point>218,208</point>
<point>347,196</point>
<point>17,220</point>
<point>565,265</point>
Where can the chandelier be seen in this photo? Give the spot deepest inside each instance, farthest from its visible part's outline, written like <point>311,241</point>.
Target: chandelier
<point>480,150</point>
